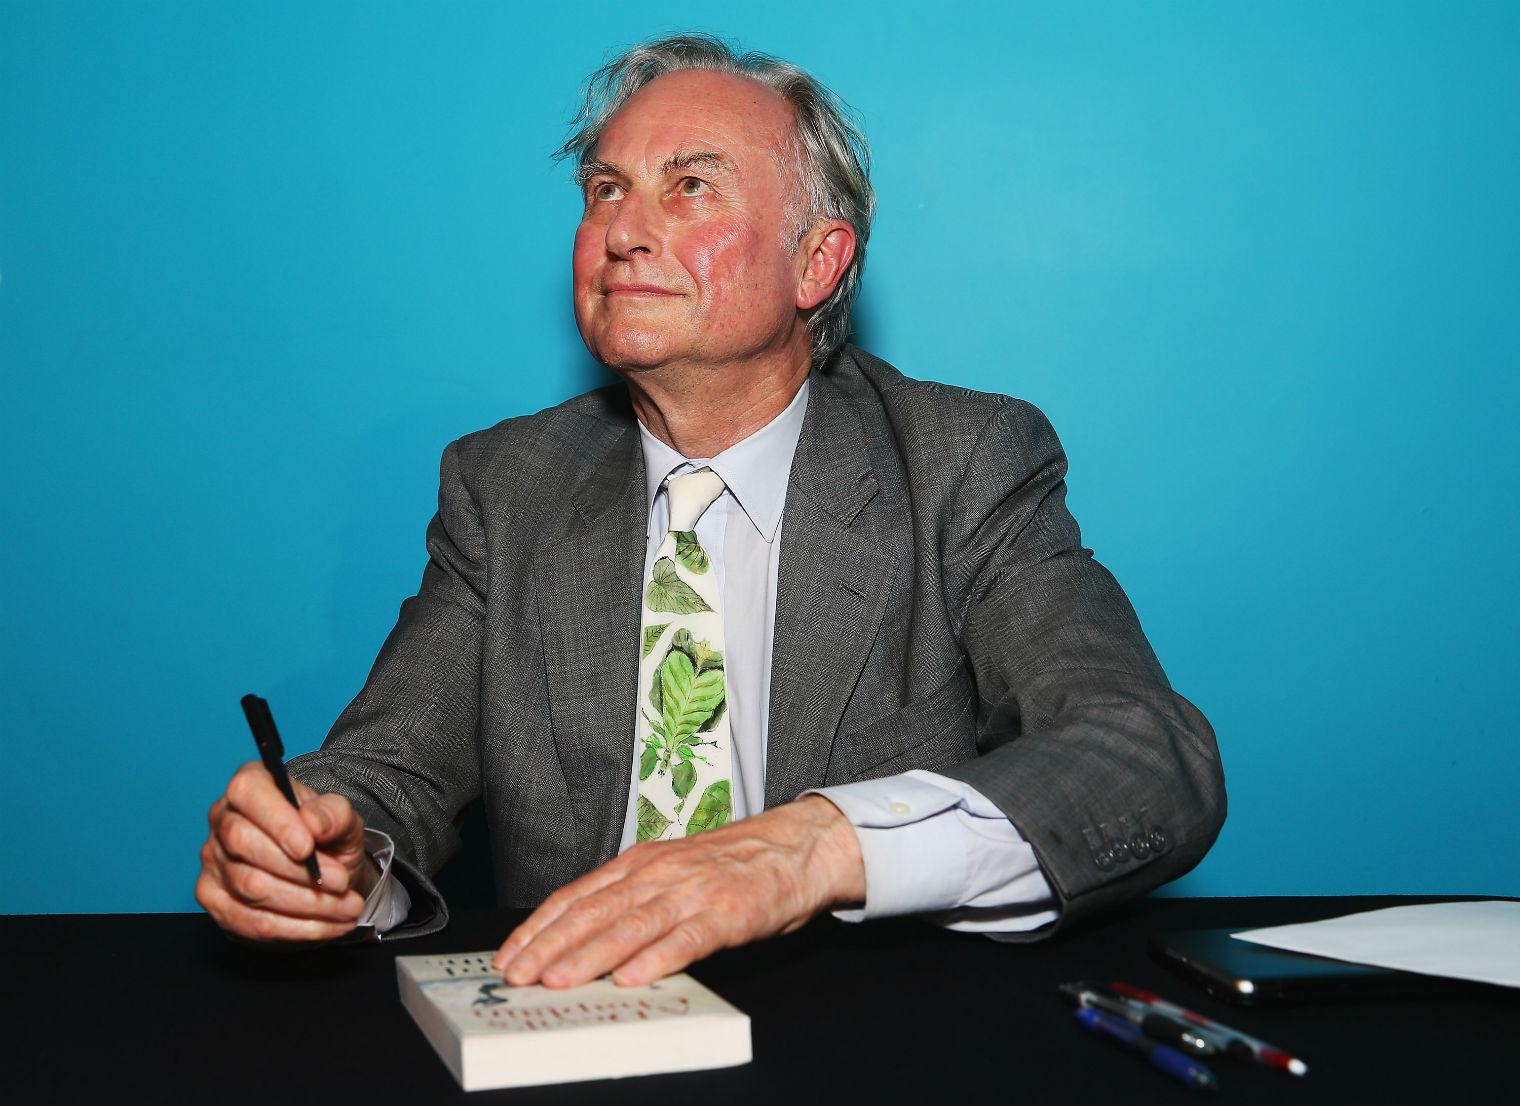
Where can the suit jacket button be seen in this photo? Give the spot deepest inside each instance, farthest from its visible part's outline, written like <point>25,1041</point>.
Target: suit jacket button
<point>1103,859</point>
<point>1158,839</point>
<point>1120,851</point>
<point>1139,845</point>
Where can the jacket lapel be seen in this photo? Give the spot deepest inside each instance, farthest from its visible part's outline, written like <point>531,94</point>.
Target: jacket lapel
<point>832,589</point>
<point>831,593</point>
<point>588,582</point>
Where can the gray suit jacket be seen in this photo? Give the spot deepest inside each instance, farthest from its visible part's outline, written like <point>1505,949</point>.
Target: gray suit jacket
<point>935,610</point>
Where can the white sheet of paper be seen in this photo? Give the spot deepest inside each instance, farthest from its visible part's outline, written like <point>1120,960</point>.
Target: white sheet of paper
<point>1460,940</point>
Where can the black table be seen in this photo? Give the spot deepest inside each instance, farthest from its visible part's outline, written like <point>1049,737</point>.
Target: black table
<point>162,1008</point>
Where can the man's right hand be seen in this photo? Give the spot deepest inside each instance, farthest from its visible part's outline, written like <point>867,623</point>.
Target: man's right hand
<point>253,879</point>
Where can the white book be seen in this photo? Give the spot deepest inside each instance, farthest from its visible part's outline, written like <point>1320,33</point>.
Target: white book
<point>493,1035</point>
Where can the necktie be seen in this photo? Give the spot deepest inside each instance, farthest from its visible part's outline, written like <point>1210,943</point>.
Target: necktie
<point>685,782</point>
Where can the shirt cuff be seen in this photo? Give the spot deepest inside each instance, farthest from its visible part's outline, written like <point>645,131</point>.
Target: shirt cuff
<point>933,845</point>
<point>891,816</point>
<point>388,903</point>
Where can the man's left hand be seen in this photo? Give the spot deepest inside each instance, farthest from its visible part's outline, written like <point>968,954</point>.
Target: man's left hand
<point>664,904</point>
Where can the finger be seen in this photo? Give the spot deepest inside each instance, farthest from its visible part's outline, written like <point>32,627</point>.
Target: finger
<point>685,944</point>
<point>240,839</point>
<point>633,931</point>
<point>261,890</point>
<point>262,925</point>
<point>253,794</point>
<point>584,919</point>
<point>243,841</point>
<point>334,823</point>
<point>337,877</point>
<point>554,907</point>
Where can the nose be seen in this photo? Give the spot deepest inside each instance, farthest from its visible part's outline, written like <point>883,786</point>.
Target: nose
<point>633,229</point>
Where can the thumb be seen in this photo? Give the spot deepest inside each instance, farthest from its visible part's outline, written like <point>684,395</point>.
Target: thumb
<point>334,823</point>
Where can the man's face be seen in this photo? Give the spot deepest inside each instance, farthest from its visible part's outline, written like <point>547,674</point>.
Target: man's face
<point>679,256</point>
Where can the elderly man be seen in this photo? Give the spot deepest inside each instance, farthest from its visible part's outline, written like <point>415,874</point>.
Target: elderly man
<point>766,629</point>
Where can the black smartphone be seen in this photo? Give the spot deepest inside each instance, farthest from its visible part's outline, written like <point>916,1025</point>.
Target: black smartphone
<point>1249,974</point>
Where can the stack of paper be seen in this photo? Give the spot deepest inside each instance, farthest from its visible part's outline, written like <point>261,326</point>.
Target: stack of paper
<point>1479,941</point>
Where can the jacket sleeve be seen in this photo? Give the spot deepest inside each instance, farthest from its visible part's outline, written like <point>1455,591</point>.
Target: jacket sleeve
<point>1111,776</point>
<point>405,751</point>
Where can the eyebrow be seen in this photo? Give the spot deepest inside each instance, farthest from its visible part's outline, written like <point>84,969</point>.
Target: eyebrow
<point>689,159</point>
<point>681,159</point>
<point>595,168</point>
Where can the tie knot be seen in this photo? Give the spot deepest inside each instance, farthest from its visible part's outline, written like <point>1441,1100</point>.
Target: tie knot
<point>691,493</point>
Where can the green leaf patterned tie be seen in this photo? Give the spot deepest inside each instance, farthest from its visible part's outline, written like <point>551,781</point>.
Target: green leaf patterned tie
<point>685,779</point>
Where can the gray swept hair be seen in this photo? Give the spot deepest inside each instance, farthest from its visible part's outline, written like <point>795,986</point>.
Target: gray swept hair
<point>830,160</point>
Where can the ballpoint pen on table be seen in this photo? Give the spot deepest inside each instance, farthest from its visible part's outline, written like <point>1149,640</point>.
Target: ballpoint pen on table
<point>1154,1024</point>
<point>1184,1069</point>
<point>1232,1041</point>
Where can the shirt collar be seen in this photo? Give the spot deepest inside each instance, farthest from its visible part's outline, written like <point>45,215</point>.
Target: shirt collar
<point>755,469</point>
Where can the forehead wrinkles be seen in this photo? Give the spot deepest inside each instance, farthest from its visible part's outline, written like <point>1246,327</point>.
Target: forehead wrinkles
<point>698,110</point>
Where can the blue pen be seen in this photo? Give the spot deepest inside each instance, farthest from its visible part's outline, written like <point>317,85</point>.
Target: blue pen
<point>1179,1066</point>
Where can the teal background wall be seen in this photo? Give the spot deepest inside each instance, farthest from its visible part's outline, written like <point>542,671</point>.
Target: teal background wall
<point>259,263</point>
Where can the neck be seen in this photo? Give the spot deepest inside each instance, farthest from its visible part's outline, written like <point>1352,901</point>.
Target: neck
<point>701,410</point>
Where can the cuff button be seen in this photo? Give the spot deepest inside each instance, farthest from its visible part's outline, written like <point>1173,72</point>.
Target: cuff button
<point>901,810</point>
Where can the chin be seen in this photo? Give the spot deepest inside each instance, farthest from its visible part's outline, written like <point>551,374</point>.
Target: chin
<point>631,349</point>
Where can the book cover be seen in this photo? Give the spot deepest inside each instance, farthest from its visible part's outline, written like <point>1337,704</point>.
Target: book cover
<point>494,1035</point>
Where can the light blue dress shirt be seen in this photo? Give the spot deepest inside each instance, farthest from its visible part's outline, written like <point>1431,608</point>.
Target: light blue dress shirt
<point>931,845</point>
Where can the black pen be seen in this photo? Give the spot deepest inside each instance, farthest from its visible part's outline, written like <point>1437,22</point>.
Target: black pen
<point>267,738</point>
<point>1156,1026</point>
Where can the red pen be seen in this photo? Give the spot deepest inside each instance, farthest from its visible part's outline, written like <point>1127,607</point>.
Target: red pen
<point>1234,1043</point>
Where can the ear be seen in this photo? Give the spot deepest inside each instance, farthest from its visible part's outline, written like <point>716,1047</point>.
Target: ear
<point>824,256</point>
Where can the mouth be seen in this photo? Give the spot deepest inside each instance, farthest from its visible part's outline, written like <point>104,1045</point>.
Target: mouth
<point>635,291</point>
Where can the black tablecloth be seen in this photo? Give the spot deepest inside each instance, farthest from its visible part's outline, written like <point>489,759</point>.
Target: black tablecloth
<point>162,1008</point>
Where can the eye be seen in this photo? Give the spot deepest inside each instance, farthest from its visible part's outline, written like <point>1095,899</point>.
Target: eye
<point>606,190</point>
<point>691,186</point>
